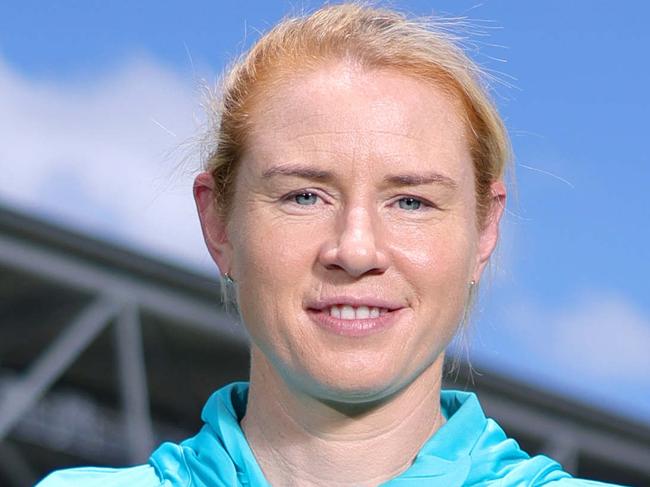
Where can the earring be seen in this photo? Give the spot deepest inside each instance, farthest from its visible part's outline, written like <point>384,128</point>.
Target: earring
<point>229,280</point>
<point>472,283</point>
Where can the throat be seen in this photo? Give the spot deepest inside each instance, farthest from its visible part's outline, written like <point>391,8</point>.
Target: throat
<point>299,440</point>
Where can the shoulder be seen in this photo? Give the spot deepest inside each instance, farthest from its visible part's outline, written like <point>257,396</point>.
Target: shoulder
<point>498,460</point>
<point>140,476</point>
<point>573,482</point>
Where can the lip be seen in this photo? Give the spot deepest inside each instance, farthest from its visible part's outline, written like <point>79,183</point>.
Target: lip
<point>356,301</point>
<point>354,328</point>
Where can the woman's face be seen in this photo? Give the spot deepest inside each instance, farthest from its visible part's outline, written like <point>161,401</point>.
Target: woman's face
<point>353,235</point>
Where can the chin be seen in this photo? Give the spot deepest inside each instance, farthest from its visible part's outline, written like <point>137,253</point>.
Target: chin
<point>351,382</point>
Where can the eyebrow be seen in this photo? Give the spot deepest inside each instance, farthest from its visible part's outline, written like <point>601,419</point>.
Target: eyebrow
<point>402,179</point>
<point>299,172</point>
<point>417,179</point>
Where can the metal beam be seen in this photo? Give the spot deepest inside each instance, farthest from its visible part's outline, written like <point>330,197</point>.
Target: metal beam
<point>78,274</point>
<point>564,450</point>
<point>621,450</point>
<point>133,385</point>
<point>23,394</point>
<point>69,420</point>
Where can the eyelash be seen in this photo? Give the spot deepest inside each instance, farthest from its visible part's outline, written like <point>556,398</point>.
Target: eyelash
<point>291,197</point>
<point>424,204</point>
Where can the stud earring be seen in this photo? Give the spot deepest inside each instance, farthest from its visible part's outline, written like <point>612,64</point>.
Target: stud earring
<point>472,283</point>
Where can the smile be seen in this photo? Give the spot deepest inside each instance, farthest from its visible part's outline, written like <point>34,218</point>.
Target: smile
<point>361,318</point>
<point>349,312</point>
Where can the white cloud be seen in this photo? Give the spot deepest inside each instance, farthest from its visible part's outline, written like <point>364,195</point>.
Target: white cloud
<point>597,346</point>
<point>605,336</point>
<point>102,154</point>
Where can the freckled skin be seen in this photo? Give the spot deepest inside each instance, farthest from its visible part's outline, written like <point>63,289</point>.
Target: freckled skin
<point>327,409</point>
<point>356,239</point>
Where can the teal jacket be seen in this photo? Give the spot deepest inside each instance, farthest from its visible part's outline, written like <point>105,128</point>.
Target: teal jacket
<point>469,450</point>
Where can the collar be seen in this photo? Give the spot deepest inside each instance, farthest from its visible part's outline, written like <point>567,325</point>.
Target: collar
<point>467,448</point>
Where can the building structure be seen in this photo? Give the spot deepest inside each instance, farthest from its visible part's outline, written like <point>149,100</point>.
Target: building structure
<point>105,352</point>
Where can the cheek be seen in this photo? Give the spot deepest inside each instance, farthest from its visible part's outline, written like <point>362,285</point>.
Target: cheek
<point>437,267</point>
<point>272,261</point>
<point>267,247</point>
<point>441,255</point>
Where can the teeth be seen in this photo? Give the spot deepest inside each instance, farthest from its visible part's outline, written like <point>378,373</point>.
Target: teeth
<point>363,312</point>
<point>347,312</point>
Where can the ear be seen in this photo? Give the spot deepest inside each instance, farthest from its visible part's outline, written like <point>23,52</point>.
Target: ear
<point>489,235</point>
<point>212,224</point>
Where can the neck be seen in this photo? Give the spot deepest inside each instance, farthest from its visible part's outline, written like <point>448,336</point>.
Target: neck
<point>301,440</point>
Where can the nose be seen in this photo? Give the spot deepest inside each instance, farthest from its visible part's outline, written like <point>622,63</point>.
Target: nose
<point>357,248</point>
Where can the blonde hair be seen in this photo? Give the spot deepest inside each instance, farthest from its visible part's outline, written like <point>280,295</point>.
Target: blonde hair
<point>372,38</point>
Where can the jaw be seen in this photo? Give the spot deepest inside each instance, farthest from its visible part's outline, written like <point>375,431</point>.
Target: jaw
<point>348,369</point>
<point>349,392</point>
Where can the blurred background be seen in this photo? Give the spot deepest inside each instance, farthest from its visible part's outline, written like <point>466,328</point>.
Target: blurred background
<point>110,323</point>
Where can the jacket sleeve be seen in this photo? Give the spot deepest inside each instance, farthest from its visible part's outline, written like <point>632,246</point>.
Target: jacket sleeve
<point>140,476</point>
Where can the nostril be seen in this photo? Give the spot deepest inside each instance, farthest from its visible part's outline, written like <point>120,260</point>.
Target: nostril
<point>334,267</point>
<point>376,271</point>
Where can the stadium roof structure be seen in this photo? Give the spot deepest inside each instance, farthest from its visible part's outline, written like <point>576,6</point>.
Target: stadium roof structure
<point>105,352</point>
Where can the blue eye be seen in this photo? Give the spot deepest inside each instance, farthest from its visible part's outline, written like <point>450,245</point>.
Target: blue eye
<point>409,203</point>
<point>305,198</point>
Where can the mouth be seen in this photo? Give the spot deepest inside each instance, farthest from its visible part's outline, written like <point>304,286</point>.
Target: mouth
<point>349,312</point>
<point>354,320</point>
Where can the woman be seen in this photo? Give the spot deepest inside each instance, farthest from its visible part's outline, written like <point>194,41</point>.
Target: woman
<point>351,200</point>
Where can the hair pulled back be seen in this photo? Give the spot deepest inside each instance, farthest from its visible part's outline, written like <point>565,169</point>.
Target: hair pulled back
<point>372,38</point>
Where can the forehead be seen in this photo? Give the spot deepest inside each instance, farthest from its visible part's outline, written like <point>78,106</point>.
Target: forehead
<point>358,115</point>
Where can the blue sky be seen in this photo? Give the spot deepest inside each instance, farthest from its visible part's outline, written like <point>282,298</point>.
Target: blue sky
<point>96,97</point>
